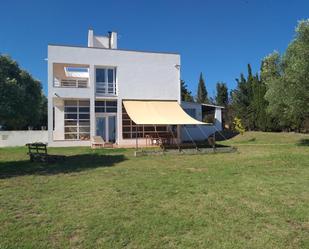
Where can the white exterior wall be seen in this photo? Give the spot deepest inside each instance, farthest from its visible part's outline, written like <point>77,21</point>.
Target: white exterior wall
<point>218,119</point>
<point>20,138</point>
<point>140,75</point>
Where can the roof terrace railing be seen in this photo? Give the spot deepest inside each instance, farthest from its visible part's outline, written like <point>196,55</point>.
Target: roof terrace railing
<point>74,83</point>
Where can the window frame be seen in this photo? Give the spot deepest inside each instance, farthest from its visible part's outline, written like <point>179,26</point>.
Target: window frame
<point>78,133</point>
<point>106,86</point>
<point>112,108</point>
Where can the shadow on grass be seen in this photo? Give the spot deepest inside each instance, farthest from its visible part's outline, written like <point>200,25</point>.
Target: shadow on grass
<point>70,164</point>
<point>303,142</point>
<point>225,135</point>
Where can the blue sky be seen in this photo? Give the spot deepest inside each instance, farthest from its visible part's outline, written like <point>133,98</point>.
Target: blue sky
<point>216,37</point>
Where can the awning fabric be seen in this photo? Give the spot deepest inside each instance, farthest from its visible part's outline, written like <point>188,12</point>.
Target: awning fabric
<point>158,113</point>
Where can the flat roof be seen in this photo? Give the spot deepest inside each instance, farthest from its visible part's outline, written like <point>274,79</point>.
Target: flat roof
<point>217,106</point>
<point>195,103</point>
<point>116,49</point>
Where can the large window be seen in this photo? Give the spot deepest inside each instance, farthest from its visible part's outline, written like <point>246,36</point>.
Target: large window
<point>106,106</point>
<point>105,81</point>
<point>76,119</point>
<point>130,129</point>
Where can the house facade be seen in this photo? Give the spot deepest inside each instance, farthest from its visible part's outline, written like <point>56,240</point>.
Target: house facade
<point>88,85</point>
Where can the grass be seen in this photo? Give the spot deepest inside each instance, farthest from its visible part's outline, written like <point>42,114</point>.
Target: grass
<point>255,198</point>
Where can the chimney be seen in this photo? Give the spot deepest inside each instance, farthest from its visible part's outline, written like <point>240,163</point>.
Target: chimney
<point>90,38</point>
<point>112,40</point>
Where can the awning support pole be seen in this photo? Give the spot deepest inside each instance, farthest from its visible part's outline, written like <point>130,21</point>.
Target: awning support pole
<point>175,139</point>
<point>136,140</point>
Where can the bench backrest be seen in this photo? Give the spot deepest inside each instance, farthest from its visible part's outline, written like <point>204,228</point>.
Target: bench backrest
<point>37,148</point>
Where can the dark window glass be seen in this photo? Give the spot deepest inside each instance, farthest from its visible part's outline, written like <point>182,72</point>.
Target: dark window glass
<point>84,109</point>
<point>84,116</point>
<point>70,109</point>
<point>110,75</point>
<point>126,129</point>
<point>111,106</point>
<point>161,128</point>
<point>149,128</point>
<point>100,75</point>
<point>70,116</point>
<point>111,109</point>
<point>100,103</point>
<point>111,103</point>
<point>99,109</point>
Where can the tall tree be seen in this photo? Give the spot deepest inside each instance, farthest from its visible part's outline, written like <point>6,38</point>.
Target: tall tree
<point>271,73</point>
<point>241,100</point>
<point>296,77</point>
<point>260,119</point>
<point>222,94</point>
<point>185,93</point>
<point>20,96</point>
<point>202,94</point>
<point>288,90</point>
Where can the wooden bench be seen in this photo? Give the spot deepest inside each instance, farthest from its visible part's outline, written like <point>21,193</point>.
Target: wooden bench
<point>38,153</point>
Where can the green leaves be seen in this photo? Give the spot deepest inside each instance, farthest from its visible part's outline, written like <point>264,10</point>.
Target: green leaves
<point>20,96</point>
<point>185,93</point>
<point>202,94</point>
<point>287,80</point>
<point>222,94</point>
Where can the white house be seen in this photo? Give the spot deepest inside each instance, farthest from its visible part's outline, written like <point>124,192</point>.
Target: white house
<point>117,94</point>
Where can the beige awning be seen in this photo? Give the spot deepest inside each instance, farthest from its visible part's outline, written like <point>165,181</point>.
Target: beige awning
<point>158,113</point>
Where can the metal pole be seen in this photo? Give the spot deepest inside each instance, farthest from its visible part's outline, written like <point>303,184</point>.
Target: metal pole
<point>136,142</point>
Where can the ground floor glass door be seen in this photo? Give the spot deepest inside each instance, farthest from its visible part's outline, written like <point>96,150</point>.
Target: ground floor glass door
<point>112,128</point>
<point>106,127</point>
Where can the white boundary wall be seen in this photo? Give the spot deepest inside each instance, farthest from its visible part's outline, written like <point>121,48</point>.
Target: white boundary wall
<point>20,138</point>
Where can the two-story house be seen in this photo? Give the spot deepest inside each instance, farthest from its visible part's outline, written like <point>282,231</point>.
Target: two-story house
<point>93,91</point>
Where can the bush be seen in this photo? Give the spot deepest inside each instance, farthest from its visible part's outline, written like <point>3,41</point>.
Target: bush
<point>238,126</point>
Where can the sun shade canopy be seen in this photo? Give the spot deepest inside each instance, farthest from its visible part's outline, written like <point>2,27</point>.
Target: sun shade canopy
<point>158,113</point>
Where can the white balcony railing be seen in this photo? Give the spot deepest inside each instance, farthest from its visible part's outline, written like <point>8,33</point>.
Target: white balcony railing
<point>72,83</point>
<point>105,89</point>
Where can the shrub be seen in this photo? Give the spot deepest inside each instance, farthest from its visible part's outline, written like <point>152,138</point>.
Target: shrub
<point>238,125</point>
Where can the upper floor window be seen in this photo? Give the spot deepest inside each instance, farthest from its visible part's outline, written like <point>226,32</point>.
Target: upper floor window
<point>105,81</point>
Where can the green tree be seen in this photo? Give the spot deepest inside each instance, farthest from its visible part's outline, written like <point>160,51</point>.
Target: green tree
<point>296,77</point>
<point>271,77</point>
<point>222,97</point>
<point>185,93</point>
<point>202,95</point>
<point>43,112</point>
<point>20,96</point>
<point>288,86</point>
<point>241,97</point>
<point>260,119</point>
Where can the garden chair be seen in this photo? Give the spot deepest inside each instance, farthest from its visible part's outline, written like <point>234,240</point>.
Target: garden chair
<point>97,142</point>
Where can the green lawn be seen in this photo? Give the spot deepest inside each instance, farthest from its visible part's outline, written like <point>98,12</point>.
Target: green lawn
<point>257,197</point>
